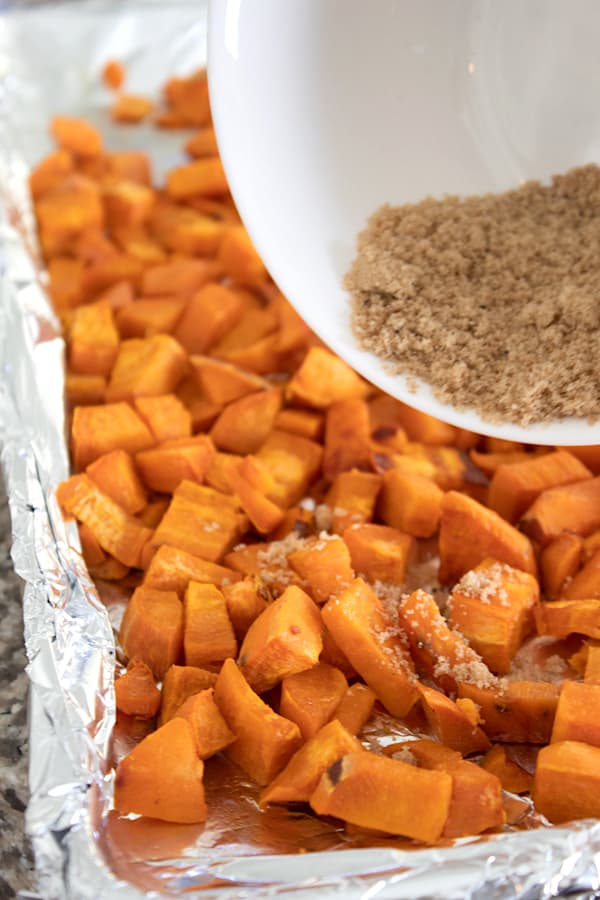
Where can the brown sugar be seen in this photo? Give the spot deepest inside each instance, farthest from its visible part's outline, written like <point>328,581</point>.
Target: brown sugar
<point>493,300</point>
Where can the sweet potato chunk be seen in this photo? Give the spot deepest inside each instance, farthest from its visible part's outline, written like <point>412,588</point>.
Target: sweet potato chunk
<point>165,415</point>
<point>512,777</point>
<point>420,426</point>
<point>450,724</point>
<point>222,382</point>
<point>375,792</point>
<point>244,424</point>
<point>323,379</point>
<point>303,772</point>
<point>171,569</point>
<point>410,503</point>
<point>493,606</point>
<point>522,712</point>
<point>361,628</point>
<point>116,476</point>
<point>378,552</point>
<point>162,777</point>
<point>244,479</point>
<point>324,564</point>
<point>131,108</point>
<point>469,533</point>
<point>351,499</point>
<point>209,315</point>
<point>245,602</point>
<point>144,318</point>
<point>210,730</point>
<point>586,583</point>
<point>355,707</point>
<point>560,618</point>
<point>152,628</point>
<point>97,430</point>
<point>203,176</point>
<point>93,340</point>
<point>559,560</point>
<point>165,466</point>
<point>208,633</point>
<point>347,437</point>
<point>179,683</point>
<point>179,276</point>
<point>239,258</point>
<point>573,507</point>
<point>146,366</point>
<point>576,714</point>
<point>310,698</point>
<point>136,693</point>
<point>302,422</point>
<point>293,462</point>
<point>283,640</point>
<point>265,741</point>
<point>76,135</point>
<point>565,785</point>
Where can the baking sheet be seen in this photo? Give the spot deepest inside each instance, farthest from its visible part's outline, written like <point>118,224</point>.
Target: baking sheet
<point>50,58</point>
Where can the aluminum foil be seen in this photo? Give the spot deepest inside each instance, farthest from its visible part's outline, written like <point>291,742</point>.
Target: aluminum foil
<point>50,57</point>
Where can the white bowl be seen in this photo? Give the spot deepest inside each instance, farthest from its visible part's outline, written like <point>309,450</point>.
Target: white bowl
<point>326,109</point>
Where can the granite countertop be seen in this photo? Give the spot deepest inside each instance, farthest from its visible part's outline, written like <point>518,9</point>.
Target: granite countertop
<point>16,865</point>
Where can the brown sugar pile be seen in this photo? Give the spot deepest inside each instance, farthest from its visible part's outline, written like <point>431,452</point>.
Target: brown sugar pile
<point>493,300</point>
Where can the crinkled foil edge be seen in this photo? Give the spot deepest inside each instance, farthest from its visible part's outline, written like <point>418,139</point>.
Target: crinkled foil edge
<point>71,656</point>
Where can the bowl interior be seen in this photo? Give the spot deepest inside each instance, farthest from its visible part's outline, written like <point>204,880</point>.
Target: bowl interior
<point>326,109</point>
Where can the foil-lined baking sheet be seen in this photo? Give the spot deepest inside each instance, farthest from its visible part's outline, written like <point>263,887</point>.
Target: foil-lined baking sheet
<point>50,59</point>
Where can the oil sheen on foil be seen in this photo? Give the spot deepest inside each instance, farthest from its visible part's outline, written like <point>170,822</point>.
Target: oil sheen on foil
<point>50,58</point>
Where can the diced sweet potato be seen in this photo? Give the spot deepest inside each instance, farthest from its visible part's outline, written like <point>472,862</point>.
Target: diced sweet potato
<point>172,569</point>
<point>283,640</point>
<point>573,507</point>
<point>116,476</point>
<point>245,602</point>
<point>222,382</point>
<point>165,415</point>
<point>323,379</point>
<point>136,693</point>
<point>113,74</point>
<point>202,143</point>
<point>179,276</point>
<point>324,564</point>
<point>265,741</point>
<point>410,503</point>
<point>162,777</point>
<point>347,437</point>
<point>512,777</point>
<point>208,633</point>
<point>514,487</point>
<point>116,531</point>
<point>565,785</point>
<point>152,628</point>
<point>559,560</point>
<point>145,367</point>
<point>576,718</point>
<point>210,314</point>
<point>210,730</point>
<point>293,462</point>
<point>311,698</point>
<point>262,512</point>
<point>298,780</point>
<point>351,499</point>
<point>420,426</point>
<point>244,424</point>
<point>93,340</point>
<point>469,533</point>
<point>255,323</point>
<point>493,606</point>
<point>360,626</point>
<point>97,430</point>
<point>144,318</point>
<point>379,553</point>
<point>376,792</point>
<point>586,583</point>
<point>179,683</point>
<point>131,108</point>
<point>76,135</point>
<point>203,176</point>
<point>66,283</point>
<point>84,390</point>
<point>239,258</point>
<point>49,172</point>
<point>165,466</point>
<point>355,707</point>
<point>188,99</point>
<point>302,422</point>
<point>592,664</point>
<point>450,724</point>
<point>522,712</point>
<point>560,618</point>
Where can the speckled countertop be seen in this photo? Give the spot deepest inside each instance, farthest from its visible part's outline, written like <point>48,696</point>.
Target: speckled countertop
<point>16,866</point>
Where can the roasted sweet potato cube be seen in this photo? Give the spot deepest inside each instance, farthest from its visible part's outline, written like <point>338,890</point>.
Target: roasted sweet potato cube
<point>283,640</point>
<point>576,718</point>
<point>162,777</point>
<point>84,390</point>
<point>265,741</point>
<point>165,415</point>
<point>152,628</point>
<point>441,653</point>
<point>146,367</point>
<point>165,466</point>
<point>293,461</point>
<point>116,531</point>
<point>297,520</point>
<point>592,664</point>
<point>210,730</point>
<point>116,476</point>
<point>376,792</point>
<point>171,569</point>
<point>131,164</point>
<point>245,602</point>
<point>208,633</point>
<point>352,498</point>
<point>262,512</point>
<point>209,314</point>
<point>76,135</point>
<point>514,487</point>
<point>559,561</point>
<point>323,379</point>
<point>489,463</point>
<point>410,503</point>
<point>573,507</point>
<point>560,618</point>
<point>565,785</point>
<point>245,424</point>
<point>521,712</point>
<point>298,780</point>
<point>450,724</point>
<point>188,99</point>
<point>324,565</point>
<point>355,707</point>
<point>476,801</point>
<point>260,357</point>
<point>70,207</point>
<point>93,340</point>
<point>202,176</point>
<point>66,283</point>
<point>512,777</point>
<point>364,632</point>
<point>302,422</point>
<point>93,553</point>
<point>179,276</point>
<point>49,172</point>
<point>131,108</point>
<point>493,606</point>
<point>144,318</point>
<point>113,74</point>
<point>379,553</point>
<point>110,270</point>
<point>220,382</point>
<point>311,698</point>
<point>347,437</point>
<point>186,231</point>
<point>586,583</point>
<point>420,426</point>
<point>333,656</point>
<point>202,522</point>
<point>179,683</point>
<point>202,143</point>
<point>255,323</point>
<point>136,693</point>
<point>239,258</point>
<point>470,533</point>
<point>384,419</point>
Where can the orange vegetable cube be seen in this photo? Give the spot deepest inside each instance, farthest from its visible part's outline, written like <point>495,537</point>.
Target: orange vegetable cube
<point>376,792</point>
<point>49,172</point>
<point>512,777</point>
<point>324,565</point>
<point>255,323</point>
<point>323,379</point>
<point>84,390</point>
<point>379,553</point>
<point>203,143</point>
<point>113,74</point>
<point>298,780</point>
<point>172,569</point>
<point>265,741</point>
<point>76,135</point>
<point>239,258</point>
<point>576,718</point>
<point>560,618</point>
<point>203,176</point>
<point>146,366</point>
<point>572,507</point>
<point>262,512</point>
<point>560,560</point>
<point>210,730</point>
<point>450,724</point>
<point>93,340</point>
<point>165,466</point>
<point>136,693</point>
<point>162,777</point>
<point>293,462</point>
<point>209,314</point>
<point>420,426</point>
<point>245,424</point>
<point>311,698</point>
<point>222,383</point>
<point>66,282</point>
<point>165,415</point>
<point>347,437</point>
<point>208,633</point>
<point>514,487</point>
<point>97,430</point>
<point>355,707</point>
<point>410,503</point>
<point>365,634</point>
<point>302,422</point>
<point>522,712</point>
<point>188,99</point>
<point>586,583</point>
<point>116,476</point>
<point>245,602</point>
<point>131,108</point>
<point>134,165</point>
<point>179,683</point>
<point>152,628</point>
<point>352,498</point>
<point>565,785</point>
<point>179,276</point>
